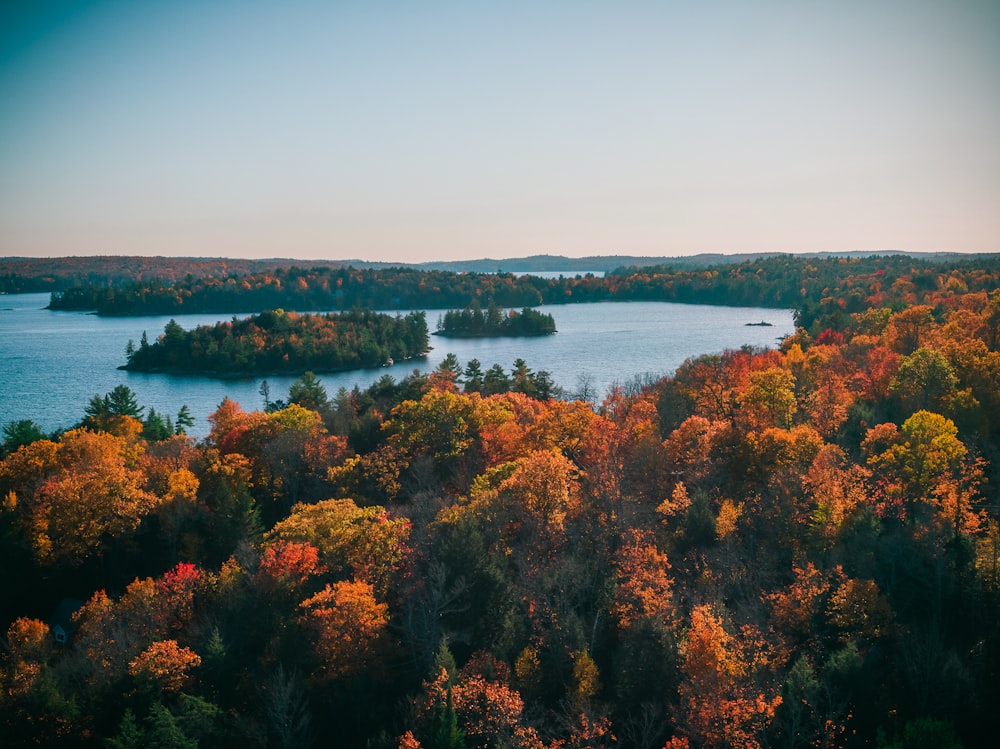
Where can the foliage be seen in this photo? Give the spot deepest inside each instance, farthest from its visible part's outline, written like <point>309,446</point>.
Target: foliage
<point>279,342</point>
<point>796,547</point>
<point>472,322</point>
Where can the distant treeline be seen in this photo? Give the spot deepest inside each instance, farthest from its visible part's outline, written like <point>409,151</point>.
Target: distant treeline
<point>813,286</point>
<point>472,322</point>
<point>279,342</point>
<point>23,275</point>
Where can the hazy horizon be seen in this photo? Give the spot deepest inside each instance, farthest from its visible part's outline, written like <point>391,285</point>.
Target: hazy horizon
<point>440,131</point>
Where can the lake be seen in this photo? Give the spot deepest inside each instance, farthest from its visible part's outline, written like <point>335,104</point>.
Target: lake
<point>52,363</point>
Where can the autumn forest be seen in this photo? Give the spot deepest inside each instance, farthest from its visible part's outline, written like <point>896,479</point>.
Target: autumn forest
<point>796,547</point>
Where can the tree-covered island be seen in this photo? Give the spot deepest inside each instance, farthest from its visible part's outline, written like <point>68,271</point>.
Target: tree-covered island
<point>472,322</point>
<point>280,342</point>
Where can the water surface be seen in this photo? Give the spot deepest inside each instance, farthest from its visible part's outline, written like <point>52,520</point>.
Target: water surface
<point>52,363</point>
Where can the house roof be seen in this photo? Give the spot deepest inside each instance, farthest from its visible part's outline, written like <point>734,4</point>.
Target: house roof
<point>63,614</point>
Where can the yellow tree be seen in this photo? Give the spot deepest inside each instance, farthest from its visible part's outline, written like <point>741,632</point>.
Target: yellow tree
<point>94,494</point>
<point>365,542</point>
<point>921,460</point>
<point>769,400</point>
<point>347,625</point>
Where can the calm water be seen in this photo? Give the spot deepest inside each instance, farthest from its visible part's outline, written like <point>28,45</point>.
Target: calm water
<point>52,363</point>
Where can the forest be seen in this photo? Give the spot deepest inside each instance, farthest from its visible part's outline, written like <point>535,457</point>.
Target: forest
<point>19,275</point>
<point>472,322</point>
<point>279,342</point>
<point>788,281</point>
<point>770,548</point>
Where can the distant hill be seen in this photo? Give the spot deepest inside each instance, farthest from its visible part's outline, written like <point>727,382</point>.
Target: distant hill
<point>562,264</point>
<point>607,263</point>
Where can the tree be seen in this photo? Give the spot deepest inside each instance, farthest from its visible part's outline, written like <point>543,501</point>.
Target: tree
<point>17,434</point>
<point>225,487</point>
<point>908,328</point>
<point>365,542</point>
<point>859,610</point>
<point>130,734</point>
<point>473,376</point>
<point>644,584</point>
<point>543,485</point>
<point>449,368</point>
<point>308,392</point>
<point>105,413</point>
<point>925,381</point>
<point>521,378</point>
<point>166,664</point>
<point>156,427</point>
<point>164,730</point>
<point>921,455</point>
<point>347,624</point>
<point>925,733</point>
<point>287,710</point>
<point>96,494</point>
<point>184,420</point>
<point>770,398</point>
<point>285,567</point>
<point>495,380</point>
<point>726,697</point>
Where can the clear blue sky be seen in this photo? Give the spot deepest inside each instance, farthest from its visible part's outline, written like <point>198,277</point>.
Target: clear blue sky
<point>408,131</point>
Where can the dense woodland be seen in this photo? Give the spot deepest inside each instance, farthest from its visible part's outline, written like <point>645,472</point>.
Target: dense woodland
<point>31,274</point>
<point>473,322</point>
<point>279,342</point>
<point>809,284</point>
<point>785,548</point>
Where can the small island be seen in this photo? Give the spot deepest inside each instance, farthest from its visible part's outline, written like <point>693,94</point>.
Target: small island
<point>472,322</point>
<point>280,342</point>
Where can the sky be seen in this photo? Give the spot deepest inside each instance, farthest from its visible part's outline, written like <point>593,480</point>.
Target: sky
<point>420,131</point>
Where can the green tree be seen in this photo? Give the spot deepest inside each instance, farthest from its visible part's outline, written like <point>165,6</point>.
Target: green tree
<point>121,401</point>
<point>472,377</point>
<point>155,427</point>
<point>493,317</point>
<point>19,433</point>
<point>130,734</point>
<point>522,378</point>
<point>184,420</point>
<point>925,380</point>
<point>495,381</point>
<point>924,733</point>
<point>308,392</point>
<point>450,365</point>
<point>925,452</point>
<point>444,732</point>
<point>164,730</point>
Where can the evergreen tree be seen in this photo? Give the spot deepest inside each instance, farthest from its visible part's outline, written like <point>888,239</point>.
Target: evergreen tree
<point>473,376</point>
<point>121,401</point>
<point>155,427</point>
<point>495,381</point>
<point>184,420</point>
<point>308,392</point>
<point>130,734</point>
<point>19,433</point>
